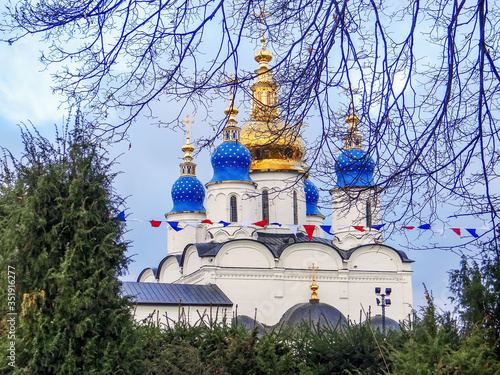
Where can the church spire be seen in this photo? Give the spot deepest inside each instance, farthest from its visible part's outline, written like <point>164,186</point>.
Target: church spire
<point>231,132</point>
<point>314,287</point>
<point>264,89</point>
<point>353,139</point>
<point>188,168</point>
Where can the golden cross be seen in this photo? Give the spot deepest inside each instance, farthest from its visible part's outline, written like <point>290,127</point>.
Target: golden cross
<point>186,122</point>
<point>350,94</point>
<point>232,81</point>
<point>314,275</point>
<point>262,18</point>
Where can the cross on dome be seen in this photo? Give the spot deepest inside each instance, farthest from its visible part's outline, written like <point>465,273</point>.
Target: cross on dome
<point>314,287</point>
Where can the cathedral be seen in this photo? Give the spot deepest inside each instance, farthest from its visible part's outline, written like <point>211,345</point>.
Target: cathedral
<point>250,242</point>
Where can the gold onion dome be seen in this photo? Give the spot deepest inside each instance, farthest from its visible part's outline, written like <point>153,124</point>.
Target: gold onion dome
<point>274,145</point>
<point>263,55</point>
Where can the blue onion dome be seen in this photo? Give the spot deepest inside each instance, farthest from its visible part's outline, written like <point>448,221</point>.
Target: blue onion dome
<point>231,160</point>
<point>188,192</point>
<point>354,167</point>
<point>312,197</point>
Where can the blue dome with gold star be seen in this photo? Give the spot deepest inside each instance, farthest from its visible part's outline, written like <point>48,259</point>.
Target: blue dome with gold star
<point>231,162</point>
<point>312,197</point>
<point>354,168</point>
<point>188,194</point>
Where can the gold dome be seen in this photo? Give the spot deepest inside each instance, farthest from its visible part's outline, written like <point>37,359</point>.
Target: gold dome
<point>273,146</point>
<point>263,55</point>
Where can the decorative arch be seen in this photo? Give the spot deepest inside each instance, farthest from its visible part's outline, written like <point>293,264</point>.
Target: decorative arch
<point>169,270</point>
<point>192,261</point>
<point>298,256</point>
<point>375,258</point>
<point>244,254</point>
<point>148,275</point>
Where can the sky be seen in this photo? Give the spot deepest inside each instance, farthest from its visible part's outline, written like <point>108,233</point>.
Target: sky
<point>149,165</point>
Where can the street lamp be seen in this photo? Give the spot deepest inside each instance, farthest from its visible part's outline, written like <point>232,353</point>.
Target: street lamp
<point>383,302</point>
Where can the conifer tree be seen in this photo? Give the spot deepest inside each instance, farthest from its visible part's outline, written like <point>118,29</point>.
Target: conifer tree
<point>59,235</point>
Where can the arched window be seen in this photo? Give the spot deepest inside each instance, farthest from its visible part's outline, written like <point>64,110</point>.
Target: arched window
<point>295,209</point>
<point>233,209</point>
<point>265,205</point>
<point>368,214</point>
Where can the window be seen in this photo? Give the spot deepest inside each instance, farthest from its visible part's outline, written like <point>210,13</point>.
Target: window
<point>265,205</point>
<point>368,214</point>
<point>295,209</point>
<point>233,209</point>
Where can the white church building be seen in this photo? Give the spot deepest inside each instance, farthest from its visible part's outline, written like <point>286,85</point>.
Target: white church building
<point>252,241</point>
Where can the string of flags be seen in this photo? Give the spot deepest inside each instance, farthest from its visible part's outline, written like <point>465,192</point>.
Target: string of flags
<point>309,229</point>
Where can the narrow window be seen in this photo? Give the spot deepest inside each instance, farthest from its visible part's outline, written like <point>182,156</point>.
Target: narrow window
<point>295,209</point>
<point>368,214</point>
<point>265,205</point>
<point>233,210</point>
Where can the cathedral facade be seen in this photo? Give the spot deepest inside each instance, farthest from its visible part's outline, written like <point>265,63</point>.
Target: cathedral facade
<point>252,241</point>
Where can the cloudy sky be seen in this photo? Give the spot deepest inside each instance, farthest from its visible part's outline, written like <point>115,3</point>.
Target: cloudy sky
<point>149,163</point>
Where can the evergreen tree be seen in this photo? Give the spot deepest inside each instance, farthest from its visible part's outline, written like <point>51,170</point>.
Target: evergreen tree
<point>435,345</point>
<point>476,289</point>
<point>59,235</point>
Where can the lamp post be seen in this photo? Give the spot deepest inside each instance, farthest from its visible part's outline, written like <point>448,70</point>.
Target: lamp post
<point>383,302</point>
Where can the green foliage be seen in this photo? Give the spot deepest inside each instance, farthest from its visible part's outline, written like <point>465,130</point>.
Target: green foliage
<point>436,346</point>
<point>352,350</point>
<point>477,292</point>
<point>67,251</point>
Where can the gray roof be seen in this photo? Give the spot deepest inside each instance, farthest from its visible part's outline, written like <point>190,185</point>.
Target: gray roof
<point>175,294</point>
<point>315,312</point>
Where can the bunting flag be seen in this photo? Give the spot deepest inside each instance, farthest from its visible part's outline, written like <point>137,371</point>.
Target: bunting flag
<point>293,228</point>
<point>261,223</point>
<point>472,232</point>
<point>174,225</point>
<point>244,224</point>
<point>193,224</point>
<point>327,228</point>
<point>121,216</point>
<point>439,230</point>
<point>155,223</point>
<point>310,230</point>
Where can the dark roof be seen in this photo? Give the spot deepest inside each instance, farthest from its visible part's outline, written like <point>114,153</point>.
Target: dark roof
<point>315,312</point>
<point>390,324</point>
<point>175,294</point>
